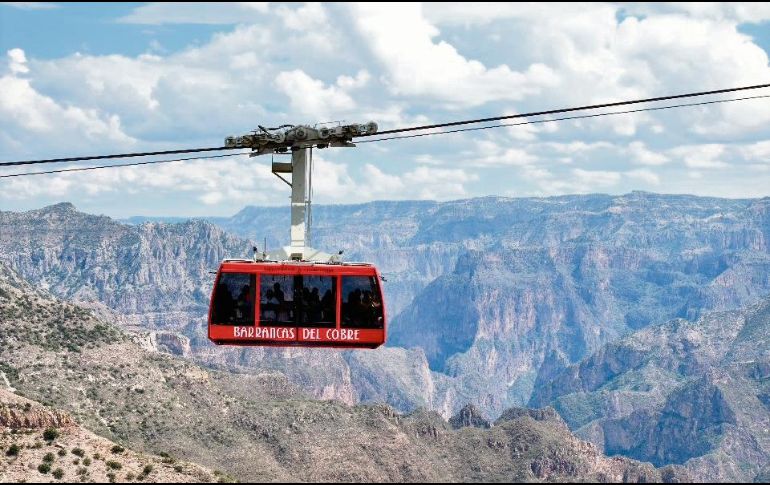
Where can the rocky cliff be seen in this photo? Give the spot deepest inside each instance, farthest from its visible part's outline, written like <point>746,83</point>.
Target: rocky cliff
<point>255,427</point>
<point>692,393</point>
<point>489,299</point>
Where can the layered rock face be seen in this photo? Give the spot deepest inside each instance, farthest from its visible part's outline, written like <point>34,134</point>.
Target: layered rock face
<point>692,393</point>
<point>254,427</point>
<point>154,277</point>
<point>491,297</point>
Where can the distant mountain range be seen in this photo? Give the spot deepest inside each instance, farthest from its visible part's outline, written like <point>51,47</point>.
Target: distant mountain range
<point>256,427</point>
<point>491,300</point>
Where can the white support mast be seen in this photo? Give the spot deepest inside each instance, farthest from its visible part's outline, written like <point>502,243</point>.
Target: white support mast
<point>300,140</point>
<point>299,198</point>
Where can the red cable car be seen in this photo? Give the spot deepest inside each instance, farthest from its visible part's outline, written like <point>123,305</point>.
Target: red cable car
<point>297,304</point>
<point>298,296</point>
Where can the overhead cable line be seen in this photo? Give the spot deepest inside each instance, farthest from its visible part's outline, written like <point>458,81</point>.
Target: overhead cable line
<point>567,110</point>
<point>418,135</point>
<point>83,169</point>
<point>421,128</point>
<point>564,118</point>
<point>119,155</point>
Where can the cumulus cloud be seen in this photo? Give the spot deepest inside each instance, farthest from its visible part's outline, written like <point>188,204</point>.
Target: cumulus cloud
<point>403,41</point>
<point>707,156</point>
<point>407,65</point>
<point>30,118</point>
<point>32,5</point>
<point>311,97</point>
<point>159,13</point>
<point>640,154</point>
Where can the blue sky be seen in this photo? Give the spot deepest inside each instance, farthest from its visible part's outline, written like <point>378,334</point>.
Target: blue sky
<point>101,78</point>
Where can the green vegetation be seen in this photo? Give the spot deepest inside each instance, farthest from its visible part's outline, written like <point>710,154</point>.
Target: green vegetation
<point>50,434</point>
<point>117,449</point>
<point>13,450</point>
<point>113,465</point>
<point>58,473</point>
<point>148,469</point>
<point>49,458</point>
<point>78,452</point>
<point>87,461</point>
<point>44,468</point>
<point>62,452</point>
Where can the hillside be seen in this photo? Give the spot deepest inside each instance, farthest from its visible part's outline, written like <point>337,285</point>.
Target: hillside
<point>33,436</point>
<point>488,298</point>
<point>255,427</point>
<point>693,393</point>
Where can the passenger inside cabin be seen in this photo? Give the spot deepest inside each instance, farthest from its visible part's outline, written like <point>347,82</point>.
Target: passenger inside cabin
<point>244,304</point>
<point>269,306</point>
<point>327,306</point>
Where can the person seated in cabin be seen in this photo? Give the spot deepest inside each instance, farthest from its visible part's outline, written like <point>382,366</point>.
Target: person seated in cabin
<point>327,307</point>
<point>367,309</point>
<point>269,306</point>
<point>377,315</point>
<point>315,306</point>
<point>278,292</point>
<point>354,310</point>
<point>244,304</point>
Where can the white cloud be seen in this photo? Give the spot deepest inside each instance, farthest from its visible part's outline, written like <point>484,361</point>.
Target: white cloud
<point>644,175</point>
<point>640,154</point>
<point>311,97</point>
<point>160,13</point>
<point>707,156</point>
<point>30,119</point>
<point>32,5</point>
<point>592,179</point>
<point>402,40</point>
<point>347,82</point>
<point>759,151</point>
<point>17,61</point>
<point>403,66</point>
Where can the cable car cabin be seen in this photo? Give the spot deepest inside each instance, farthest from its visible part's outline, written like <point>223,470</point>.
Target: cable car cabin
<point>297,304</point>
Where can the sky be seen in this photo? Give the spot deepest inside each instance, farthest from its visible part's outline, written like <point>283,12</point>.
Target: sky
<point>87,79</point>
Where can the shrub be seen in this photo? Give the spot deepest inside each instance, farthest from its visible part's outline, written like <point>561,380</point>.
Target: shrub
<point>148,469</point>
<point>58,473</point>
<point>13,450</point>
<point>130,476</point>
<point>62,452</point>
<point>50,434</point>
<point>118,449</point>
<point>87,461</point>
<point>113,465</point>
<point>49,458</point>
<point>78,452</point>
<point>178,468</point>
<point>44,468</point>
<point>111,477</point>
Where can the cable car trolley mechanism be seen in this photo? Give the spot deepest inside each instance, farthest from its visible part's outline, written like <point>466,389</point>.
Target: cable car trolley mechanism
<point>297,296</point>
